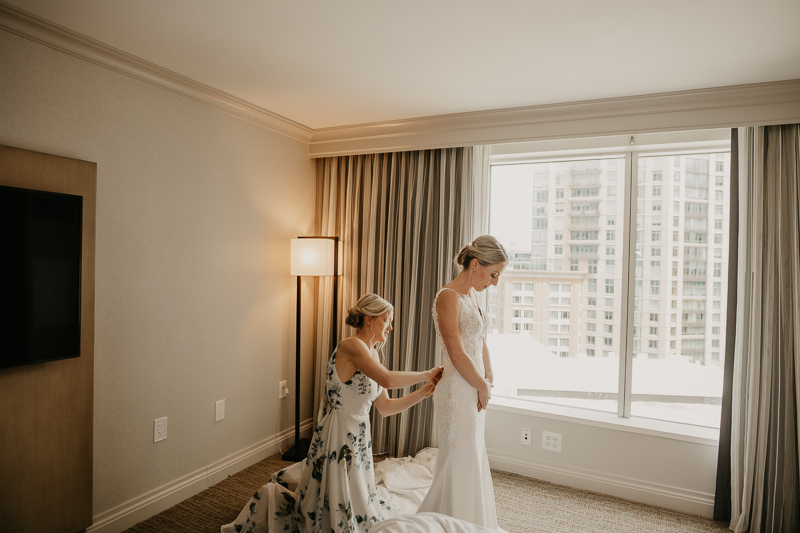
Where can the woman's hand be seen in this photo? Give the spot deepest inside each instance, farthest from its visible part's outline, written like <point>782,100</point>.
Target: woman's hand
<point>434,374</point>
<point>484,395</point>
<point>427,389</point>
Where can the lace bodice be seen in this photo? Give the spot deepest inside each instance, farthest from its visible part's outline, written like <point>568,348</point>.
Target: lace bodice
<point>456,400</point>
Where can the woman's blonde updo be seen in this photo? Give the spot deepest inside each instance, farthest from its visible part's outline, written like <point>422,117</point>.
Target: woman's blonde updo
<point>368,305</point>
<point>486,249</point>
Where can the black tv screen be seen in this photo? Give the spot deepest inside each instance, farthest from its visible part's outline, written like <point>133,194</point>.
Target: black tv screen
<point>40,276</point>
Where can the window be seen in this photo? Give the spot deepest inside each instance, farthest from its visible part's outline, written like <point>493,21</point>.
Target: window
<point>654,287</point>
<point>529,287</point>
<point>655,268</point>
<point>577,221</point>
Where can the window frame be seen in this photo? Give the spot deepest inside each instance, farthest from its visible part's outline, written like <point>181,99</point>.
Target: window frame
<point>656,144</point>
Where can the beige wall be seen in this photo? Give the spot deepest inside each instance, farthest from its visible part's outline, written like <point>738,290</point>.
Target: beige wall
<point>640,465</point>
<point>195,209</point>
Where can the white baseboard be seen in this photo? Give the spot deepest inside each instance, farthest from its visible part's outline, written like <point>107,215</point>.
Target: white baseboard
<point>669,497</point>
<point>151,503</point>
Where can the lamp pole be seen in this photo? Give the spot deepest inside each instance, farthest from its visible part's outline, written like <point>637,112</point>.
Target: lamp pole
<point>299,451</point>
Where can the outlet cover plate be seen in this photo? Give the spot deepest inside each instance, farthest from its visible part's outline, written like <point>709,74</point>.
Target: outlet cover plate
<point>283,390</point>
<point>526,436</point>
<point>159,429</point>
<point>551,441</point>
<point>219,410</point>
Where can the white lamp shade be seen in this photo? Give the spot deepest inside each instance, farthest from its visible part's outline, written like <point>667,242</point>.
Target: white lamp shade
<point>313,257</point>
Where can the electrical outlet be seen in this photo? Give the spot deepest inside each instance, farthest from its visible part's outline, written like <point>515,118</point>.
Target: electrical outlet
<point>219,410</point>
<point>551,441</point>
<point>283,390</point>
<point>160,429</point>
<point>526,436</point>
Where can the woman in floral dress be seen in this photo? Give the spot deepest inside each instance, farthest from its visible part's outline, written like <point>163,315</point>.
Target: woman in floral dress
<point>333,489</point>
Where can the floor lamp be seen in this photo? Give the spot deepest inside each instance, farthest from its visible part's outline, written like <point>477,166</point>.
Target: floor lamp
<point>311,256</point>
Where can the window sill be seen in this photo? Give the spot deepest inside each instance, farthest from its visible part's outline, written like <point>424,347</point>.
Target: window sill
<point>645,426</point>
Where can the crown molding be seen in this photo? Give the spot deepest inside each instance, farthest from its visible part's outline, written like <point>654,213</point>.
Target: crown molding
<point>42,31</point>
<point>719,107</point>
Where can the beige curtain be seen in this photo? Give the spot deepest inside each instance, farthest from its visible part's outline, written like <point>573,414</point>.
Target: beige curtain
<point>766,386</point>
<point>401,218</point>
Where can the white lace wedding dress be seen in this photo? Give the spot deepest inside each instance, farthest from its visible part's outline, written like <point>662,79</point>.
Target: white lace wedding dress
<point>462,483</point>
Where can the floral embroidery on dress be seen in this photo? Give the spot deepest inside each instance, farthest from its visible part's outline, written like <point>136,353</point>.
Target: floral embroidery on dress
<point>308,496</point>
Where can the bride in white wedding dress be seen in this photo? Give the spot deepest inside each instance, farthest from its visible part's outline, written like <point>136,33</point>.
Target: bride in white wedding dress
<point>462,483</point>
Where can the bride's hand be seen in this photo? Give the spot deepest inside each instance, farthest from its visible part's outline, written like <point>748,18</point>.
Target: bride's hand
<point>484,395</point>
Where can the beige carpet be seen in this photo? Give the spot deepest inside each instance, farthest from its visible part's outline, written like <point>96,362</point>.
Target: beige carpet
<point>524,505</point>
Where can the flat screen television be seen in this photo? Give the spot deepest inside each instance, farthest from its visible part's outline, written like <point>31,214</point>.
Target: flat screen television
<point>40,276</point>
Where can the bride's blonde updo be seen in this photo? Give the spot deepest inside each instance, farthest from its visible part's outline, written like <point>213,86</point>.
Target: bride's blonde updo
<point>368,305</point>
<point>486,249</point>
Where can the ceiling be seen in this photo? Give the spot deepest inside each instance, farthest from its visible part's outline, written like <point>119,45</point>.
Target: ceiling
<point>328,63</point>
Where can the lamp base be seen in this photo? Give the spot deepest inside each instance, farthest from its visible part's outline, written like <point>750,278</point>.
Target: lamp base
<point>298,452</point>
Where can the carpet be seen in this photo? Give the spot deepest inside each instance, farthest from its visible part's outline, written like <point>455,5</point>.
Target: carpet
<point>524,505</point>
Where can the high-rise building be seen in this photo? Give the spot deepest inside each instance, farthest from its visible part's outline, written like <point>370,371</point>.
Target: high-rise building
<point>564,286</point>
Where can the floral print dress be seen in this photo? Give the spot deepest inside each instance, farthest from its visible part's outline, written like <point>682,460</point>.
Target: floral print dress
<point>333,489</point>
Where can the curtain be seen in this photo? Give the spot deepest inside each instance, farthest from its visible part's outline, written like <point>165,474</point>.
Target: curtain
<point>722,498</point>
<point>764,424</point>
<point>401,217</point>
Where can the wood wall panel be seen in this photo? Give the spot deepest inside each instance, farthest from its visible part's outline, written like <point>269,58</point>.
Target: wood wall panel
<point>46,410</point>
